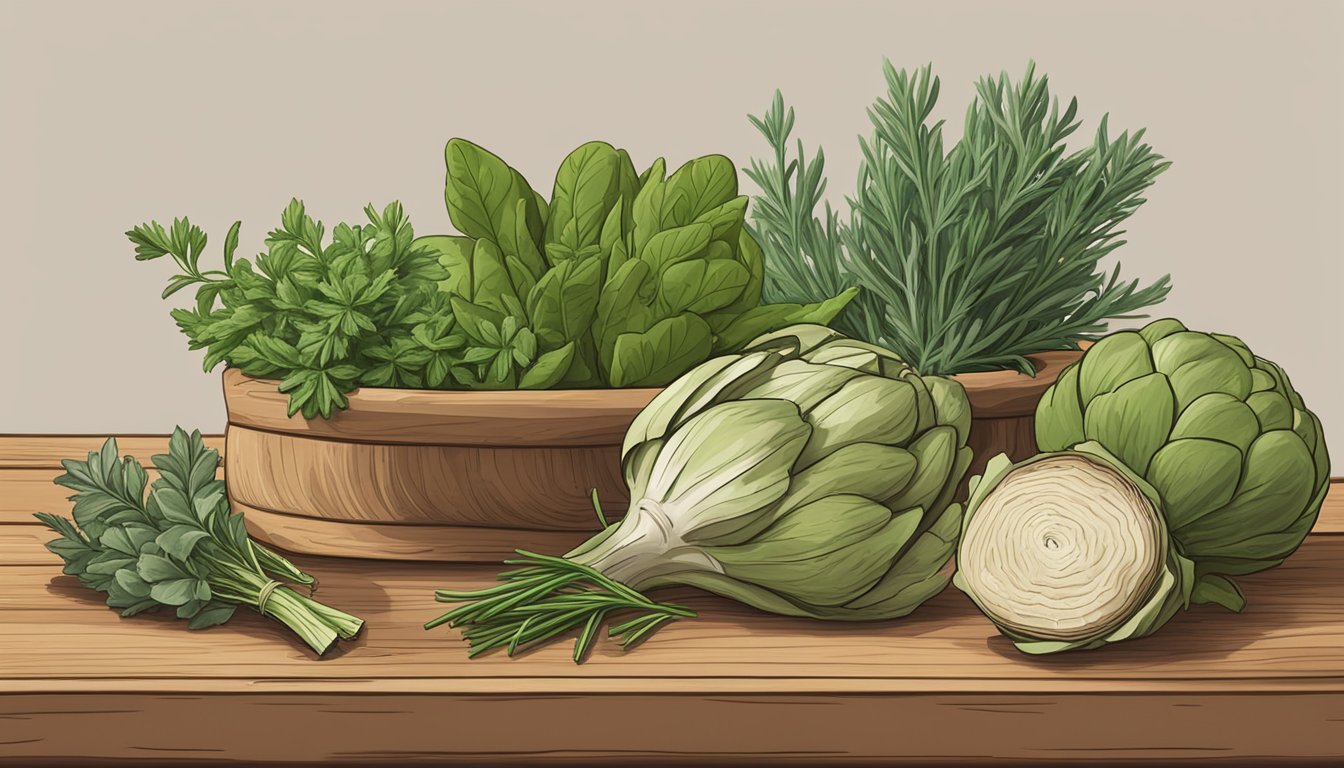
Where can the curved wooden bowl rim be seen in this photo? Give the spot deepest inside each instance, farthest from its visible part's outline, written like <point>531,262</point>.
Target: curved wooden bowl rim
<point>505,418</point>
<point>1011,394</point>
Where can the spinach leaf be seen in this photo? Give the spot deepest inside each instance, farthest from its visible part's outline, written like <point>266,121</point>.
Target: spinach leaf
<point>657,356</point>
<point>549,369</point>
<point>589,184</point>
<point>564,301</point>
<point>483,194</point>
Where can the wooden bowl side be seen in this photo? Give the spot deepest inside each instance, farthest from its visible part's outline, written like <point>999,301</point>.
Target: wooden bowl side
<point>540,488</point>
<point>419,475</point>
<point>1003,409</point>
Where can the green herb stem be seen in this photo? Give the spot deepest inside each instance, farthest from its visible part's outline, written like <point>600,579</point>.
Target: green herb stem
<point>346,625</point>
<point>287,606</point>
<point>546,599</point>
<point>316,623</point>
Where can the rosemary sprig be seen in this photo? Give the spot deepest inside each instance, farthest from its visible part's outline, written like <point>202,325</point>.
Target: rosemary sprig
<point>969,257</point>
<point>546,598</point>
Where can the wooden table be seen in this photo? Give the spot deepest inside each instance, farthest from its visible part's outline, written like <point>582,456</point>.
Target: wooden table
<point>79,685</point>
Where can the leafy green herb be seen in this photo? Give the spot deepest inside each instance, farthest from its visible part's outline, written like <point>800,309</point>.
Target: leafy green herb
<point>179,546</point>
<point>970,258</point>
<point>622,280</point>
<point>323,317</point>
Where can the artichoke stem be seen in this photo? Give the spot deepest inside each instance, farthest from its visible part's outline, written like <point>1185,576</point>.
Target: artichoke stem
<point>645,544</point>
<point>1066,548</point>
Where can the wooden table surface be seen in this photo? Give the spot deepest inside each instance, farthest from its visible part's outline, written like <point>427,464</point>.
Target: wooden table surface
<point>79,685</point>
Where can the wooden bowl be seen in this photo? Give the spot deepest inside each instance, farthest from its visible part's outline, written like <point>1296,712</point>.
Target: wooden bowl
<point>427,475</point>
<point>471,476</point>
<point>1003,408</point>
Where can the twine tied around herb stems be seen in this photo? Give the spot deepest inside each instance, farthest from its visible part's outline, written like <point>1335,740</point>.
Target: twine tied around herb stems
<point>265,594</point>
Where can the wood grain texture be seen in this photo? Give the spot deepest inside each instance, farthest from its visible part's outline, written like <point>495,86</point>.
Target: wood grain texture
<point>25,491</point>
<point>990,436</point>
<point>1267,685</point>
<point>26,544</point>
<point>505,418</point>
<point>643,729</point>
<point>47,451</point>
<point>1291,637</point>
<point>427,485</point>
<point>80,685</point>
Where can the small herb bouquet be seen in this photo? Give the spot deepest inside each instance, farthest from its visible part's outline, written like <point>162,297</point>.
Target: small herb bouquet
<point>179,545</point>
<point>972,257</point>
<point>622,279</point>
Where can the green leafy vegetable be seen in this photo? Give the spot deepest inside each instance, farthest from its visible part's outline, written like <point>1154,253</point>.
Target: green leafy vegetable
<point>969,258</point>
<point>622,280</point>
<point>810,475</point>
<point>179,546</point>
<point>1172,461</point>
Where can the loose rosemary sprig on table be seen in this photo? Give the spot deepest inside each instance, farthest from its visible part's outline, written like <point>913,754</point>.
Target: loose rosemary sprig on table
<point>547,597</point>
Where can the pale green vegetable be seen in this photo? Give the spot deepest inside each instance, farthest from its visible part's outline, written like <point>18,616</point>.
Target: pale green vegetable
<point>810,475</point>
<point>1173,461</point>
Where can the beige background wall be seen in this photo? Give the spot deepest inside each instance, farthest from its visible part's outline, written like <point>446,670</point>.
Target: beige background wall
<point>113,113</point>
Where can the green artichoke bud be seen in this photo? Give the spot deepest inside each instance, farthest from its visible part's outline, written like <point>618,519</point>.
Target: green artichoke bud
<point>809,475</point>
<point>1173,460</point>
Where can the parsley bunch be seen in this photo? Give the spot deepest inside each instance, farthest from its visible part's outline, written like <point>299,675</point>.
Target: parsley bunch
<point>179,546</point>
<point>321,316</point>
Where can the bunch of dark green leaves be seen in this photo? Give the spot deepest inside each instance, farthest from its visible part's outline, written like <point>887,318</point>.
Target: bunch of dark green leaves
<point>969,258</point>
<point>623,279</point>
<point>179,546</point>
<point>364,308</point>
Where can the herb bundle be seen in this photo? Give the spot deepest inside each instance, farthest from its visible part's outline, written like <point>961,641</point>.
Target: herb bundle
<point>969,258</point>
<point>179,546</point>
<point>621,280</point>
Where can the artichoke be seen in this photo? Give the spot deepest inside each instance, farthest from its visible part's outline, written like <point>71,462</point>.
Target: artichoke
<point>1173,461</point>
<point>809,475</point>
